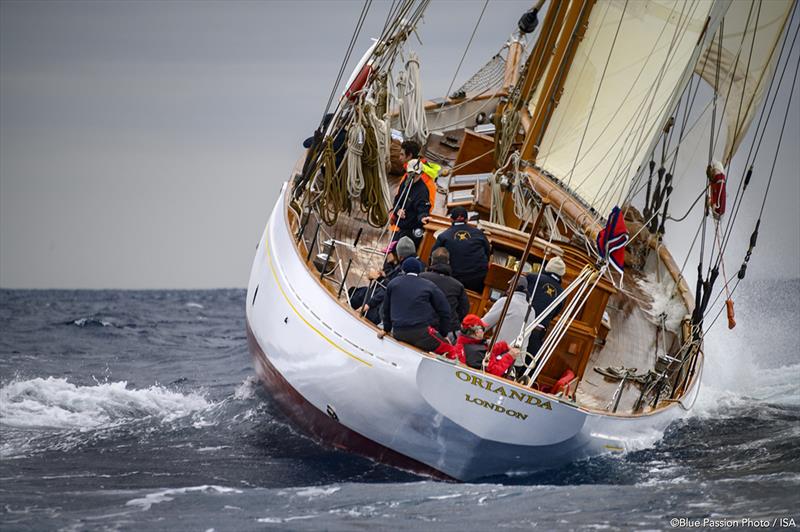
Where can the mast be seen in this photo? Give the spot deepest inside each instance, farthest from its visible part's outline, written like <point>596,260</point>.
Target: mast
<point>576,21</point>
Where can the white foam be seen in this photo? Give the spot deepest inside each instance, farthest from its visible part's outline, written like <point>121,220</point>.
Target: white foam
<point>194,305</point>
<point>317,492</point>
<point>56,403</point>
<point>144,503</point>
<point>666,300</point>
<point>88,321</point>
<point>246,390</point>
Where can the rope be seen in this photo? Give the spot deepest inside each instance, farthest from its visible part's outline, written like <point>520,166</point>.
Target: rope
<point>374,197</point>
<point>455,74</point>
<point>755,145</point>
<point>359,24</point>
<point>355,151</point>
<point>383,141</point>
<point>412,108</point>
<point>334,198</point>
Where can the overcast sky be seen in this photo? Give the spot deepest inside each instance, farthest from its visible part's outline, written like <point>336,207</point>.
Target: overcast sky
<point>143,144</point>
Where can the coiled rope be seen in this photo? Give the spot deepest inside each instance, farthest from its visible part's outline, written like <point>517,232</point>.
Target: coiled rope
<point>334,198</point>
<point>375,193</point>
<point>355,152</point>
<point>412,106</point>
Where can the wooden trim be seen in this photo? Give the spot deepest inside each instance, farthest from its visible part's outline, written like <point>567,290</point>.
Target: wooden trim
<point>572,33</point>
<point>511,73</point>
<point>553,20</point>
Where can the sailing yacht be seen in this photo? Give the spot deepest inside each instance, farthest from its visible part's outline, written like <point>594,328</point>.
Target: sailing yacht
<point>564,145</point>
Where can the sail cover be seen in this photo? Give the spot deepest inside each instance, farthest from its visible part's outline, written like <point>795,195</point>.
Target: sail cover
<point>628,71</point>
<point>741,64</point>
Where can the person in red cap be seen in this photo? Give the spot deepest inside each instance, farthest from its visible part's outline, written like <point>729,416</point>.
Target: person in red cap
<point>471,348</point>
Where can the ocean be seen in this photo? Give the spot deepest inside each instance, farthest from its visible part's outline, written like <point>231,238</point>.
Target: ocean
<point>139,410</point>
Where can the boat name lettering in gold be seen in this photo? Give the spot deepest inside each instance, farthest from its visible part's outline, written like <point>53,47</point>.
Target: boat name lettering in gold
<point>514,394</point>
<point>497,408</point>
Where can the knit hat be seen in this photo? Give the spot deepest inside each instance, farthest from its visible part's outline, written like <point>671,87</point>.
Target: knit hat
<point>458,213</point>
<point>412,265</point>
<point>405,248</point>
<point>390,248</point>
<point>522,284</point>
<point>471,321</point>
<point>556,266</point>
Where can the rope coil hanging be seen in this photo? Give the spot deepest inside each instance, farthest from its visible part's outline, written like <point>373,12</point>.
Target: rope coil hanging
<point>412,108</point>
<point>334,198</point>
<point>375,194</point>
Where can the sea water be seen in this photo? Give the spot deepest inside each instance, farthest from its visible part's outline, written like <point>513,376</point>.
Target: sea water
<point>128,410</point>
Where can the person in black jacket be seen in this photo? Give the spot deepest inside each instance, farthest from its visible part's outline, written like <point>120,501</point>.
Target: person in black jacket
<point>369,299</point>
<point>547,289</point>
<point>469,250</point>
<point>411,305</point>
<point>411,207</point>
<point>439,274</point>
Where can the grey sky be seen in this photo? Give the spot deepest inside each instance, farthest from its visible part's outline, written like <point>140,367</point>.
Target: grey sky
<point>142,144</point>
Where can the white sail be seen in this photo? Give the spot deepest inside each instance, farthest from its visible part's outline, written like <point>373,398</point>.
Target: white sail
<point>631,66</point>
<point>741,65</point>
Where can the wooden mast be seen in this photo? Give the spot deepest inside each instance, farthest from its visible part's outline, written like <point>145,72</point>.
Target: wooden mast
<point>537,62</point>
<point>577,18</point>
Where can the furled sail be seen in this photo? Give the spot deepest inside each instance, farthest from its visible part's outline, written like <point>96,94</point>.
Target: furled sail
<point>629,69</point>
<point>741,63</point>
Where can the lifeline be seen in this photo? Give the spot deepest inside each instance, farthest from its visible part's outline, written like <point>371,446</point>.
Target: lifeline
<point>522,397</point>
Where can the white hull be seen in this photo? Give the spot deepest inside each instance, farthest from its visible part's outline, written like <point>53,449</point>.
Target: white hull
<point>331,372</point>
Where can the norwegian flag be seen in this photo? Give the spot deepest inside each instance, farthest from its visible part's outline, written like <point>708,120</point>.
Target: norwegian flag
<point>612,239</point>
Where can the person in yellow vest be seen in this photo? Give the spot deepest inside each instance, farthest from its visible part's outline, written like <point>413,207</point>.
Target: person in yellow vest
<point>415,195</point>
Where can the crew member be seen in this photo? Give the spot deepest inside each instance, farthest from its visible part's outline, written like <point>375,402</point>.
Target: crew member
<point>439,273</point>
<point>411,305</point>
<point>415,196</point>
<point>515,316</point>
<point>368,299</point>
<point>547,289</point>
<point>471,348</point>
<point>469,250</point>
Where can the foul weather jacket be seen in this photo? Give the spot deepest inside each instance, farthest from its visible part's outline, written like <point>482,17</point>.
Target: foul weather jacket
<point>515,317</point>
<point>468,247</point>
<point>414,302</point>
<point>453,290</point>
<point>417,204</point>
<point>547,290</point>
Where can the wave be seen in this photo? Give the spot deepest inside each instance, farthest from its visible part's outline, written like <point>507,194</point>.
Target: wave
<point>55,403</point>
<point>46,414</point>
<point>144,503</point>
<point>91,322</point>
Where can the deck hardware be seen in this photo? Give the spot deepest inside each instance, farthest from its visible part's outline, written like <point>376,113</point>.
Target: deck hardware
<point>358,237</point>
<point>344,277</point>
<point>327,251</point>
<point>313,243</point>
<point>303,222</point>
<point>332,413</point>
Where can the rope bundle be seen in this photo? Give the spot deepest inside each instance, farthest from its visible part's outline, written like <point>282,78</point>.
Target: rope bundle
<point>375,194</point>
<point>412,107</point>
<point>355,151</point>
<point>334,198</point>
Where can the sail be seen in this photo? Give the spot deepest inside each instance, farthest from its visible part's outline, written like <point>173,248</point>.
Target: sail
<point>628,71</point>
<point>741,63</point>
